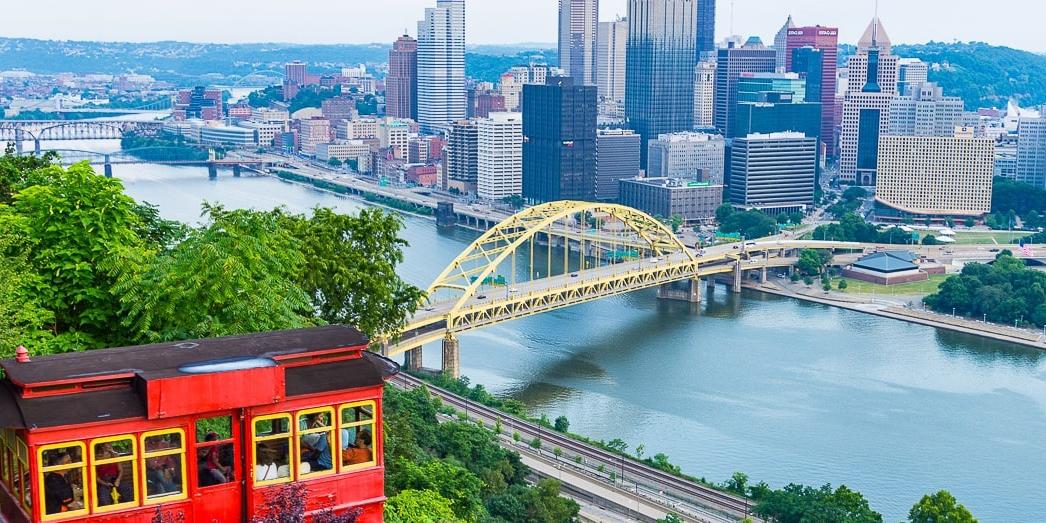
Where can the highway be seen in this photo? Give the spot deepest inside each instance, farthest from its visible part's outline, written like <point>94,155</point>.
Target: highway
<point>691,500</point>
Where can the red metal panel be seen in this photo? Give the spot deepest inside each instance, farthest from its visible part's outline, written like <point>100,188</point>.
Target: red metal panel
<point>197,393</point>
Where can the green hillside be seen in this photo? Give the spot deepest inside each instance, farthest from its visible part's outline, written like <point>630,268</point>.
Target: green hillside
<point>982,75</point>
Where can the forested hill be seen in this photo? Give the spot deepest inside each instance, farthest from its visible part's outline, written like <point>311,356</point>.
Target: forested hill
<point>186,63</point>
<point>982,75</point>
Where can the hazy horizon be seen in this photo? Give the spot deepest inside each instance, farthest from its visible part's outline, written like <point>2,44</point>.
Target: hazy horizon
<point>502,22</point>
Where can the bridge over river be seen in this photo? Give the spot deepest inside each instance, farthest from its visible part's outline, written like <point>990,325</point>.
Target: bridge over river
<point>610,250</point>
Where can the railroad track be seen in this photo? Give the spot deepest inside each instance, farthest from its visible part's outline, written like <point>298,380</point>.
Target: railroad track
<point>638,472</point>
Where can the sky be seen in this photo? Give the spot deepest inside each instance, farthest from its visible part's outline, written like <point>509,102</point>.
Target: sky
<point>1014,23</point>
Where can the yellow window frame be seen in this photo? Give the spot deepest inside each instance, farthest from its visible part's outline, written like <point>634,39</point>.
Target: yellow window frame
<point>44,470</point>
<point>133,458</point>
<point>342,467</point>
<point>146,455</point>
<point>255,439</point>
<point>331,440</point>
<point>21,459</point>
<point>6,456</point>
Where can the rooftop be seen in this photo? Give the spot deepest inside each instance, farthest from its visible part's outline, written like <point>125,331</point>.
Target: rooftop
<point>888,262</point>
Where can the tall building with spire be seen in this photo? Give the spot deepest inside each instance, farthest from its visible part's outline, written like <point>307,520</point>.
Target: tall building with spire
<point>578,27</point>
<point>659,72</point>
<point>401,84</point>
<point>781,44</point>
<point>825,40</point>
<point>442,99</point>
<point>871,87</point>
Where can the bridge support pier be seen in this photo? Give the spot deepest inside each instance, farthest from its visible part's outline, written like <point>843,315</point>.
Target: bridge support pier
<point>36,146</point>
<point>710,281</point>
<point>762,276</point>
<point>412,360</point>
<point>108,167</point>
<point>685,290</point>
<point>212,171</point>
<point>19,138</point>
<point>737,276</point>
<point>236,170</point>
<point>451,357</point>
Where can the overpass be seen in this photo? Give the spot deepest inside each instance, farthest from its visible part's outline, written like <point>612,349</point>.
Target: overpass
<point>182,155</point>
<point>566,253</point>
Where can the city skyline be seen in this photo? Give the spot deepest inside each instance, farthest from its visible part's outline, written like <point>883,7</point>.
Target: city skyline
<point>524,22</point>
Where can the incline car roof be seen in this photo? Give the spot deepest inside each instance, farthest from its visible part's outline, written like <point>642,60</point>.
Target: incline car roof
<point>164,359</point>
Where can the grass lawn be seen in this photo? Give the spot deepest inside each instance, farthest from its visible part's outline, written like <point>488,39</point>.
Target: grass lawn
<point>986,237</point>
<point>919,287</point>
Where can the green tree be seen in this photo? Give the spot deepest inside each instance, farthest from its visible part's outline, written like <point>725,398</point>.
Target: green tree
<point>541,504</point>
<point>940,507</point>
<point>75,222</point>
<point>535,444</point>
<point>562,424</point>
<point>738,483</point>
<point>349,272</point>
<point>334,162</point>
<point>723,212</point>
<point>616,445</point>
<point>675,221</point>
<point>670,518</point>
<point>810,262</point>
<point>235,275</point>
<point>796,218</point>
<point>782,219</point>
<point>452,481</point>
<point>930,239</point>
<point>419,506</point>
<point>843,285</point>
<point>808,281</point>
<point>969,222</point>
<point>800,504</point>
<point>22,319</point>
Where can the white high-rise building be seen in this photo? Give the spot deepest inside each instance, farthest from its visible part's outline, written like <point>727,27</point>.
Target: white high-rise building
<point>499,157</point>
<point>441,66</point>
<point>925,112</point>
<point>578,25</point>
<point>693,156</point>
<point>1031,150</point>
<point>704,95</point>
<point>610,70</point>
<point>911,72</point>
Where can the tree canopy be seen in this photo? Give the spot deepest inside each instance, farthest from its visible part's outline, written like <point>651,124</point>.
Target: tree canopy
<point>803,504</point>
<point>1004,292</point>
<point>85,266</point>
<point>940,507</point>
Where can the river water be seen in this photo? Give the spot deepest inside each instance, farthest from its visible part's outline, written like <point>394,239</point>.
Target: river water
<point>783,390</point>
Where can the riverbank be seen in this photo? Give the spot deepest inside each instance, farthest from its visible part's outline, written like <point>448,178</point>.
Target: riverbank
<point>902,313</point>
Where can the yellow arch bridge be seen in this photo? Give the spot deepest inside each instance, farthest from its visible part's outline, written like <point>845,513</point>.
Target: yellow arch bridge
<point>564,253</point>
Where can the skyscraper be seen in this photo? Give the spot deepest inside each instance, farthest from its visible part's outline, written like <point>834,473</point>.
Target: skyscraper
<point>617,158</point>
<point>773,172</point>
<point>462,148</point>
<point>401,84</point>
<point>935,177</point>
<point>753,57</point>
<point>659,73</point>
<point>697,157</point>
<point>705,29</point>
<point>610,66</point>
<point>559,141</point>
<point>925,112</point>
<point>781,44</point>
<point>911,73</point>
<point>578,25</point>
<point>872,85</point>
<point>826,40</point>
<point>1031,150</point>
<point>441,66</point>
<point>704,95</point>
<point>499,156</point>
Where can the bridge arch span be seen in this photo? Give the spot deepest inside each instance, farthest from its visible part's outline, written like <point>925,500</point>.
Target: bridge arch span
<point>86,128</point>
<point>478,263</point>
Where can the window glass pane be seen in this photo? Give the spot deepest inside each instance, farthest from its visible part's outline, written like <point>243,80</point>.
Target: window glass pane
<point>272,459</point>
<point>315,442</point>
<point>114,480</point>
<point>214,429</point>
<point>271,427</point>
<point>63,480</point>
<point>215,464</point>
<point>357,444</point>
<point>163,442</point>
<point>163,476</point>
<point>355,414</point>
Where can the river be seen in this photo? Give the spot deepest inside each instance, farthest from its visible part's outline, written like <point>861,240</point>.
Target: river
<point>783,390</point>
